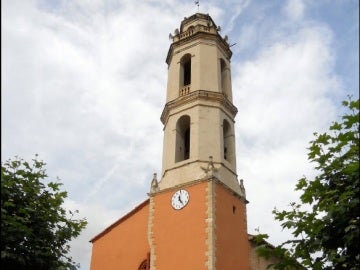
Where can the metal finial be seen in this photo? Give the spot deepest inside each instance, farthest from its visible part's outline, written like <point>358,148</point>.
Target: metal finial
<point>197,2</point>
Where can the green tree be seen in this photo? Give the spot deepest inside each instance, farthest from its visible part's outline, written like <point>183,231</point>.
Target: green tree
<point>35,228</point>
<point>326,222</point>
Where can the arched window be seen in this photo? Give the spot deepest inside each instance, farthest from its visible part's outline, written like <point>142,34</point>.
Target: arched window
<point>228,139</point>
<point>185,70</point>
<point>182,150</point>
<point>144,265</point>
<point>224,77</point>
<point>191,30</point>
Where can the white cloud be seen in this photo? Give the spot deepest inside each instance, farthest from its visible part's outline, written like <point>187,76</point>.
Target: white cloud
<point>236,12</point>
<point>286,85</point>
<point>294,9</point>
<point>285,95</point>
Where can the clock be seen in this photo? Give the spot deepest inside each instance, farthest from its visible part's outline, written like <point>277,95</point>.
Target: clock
<point>180,199</point>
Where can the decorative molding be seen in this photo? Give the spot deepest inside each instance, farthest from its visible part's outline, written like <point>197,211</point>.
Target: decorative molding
<point>183,164</point>
<point>154,184</point>
<point>200,32</point>
<point>199,105</point>
<point>210,170</point>
<point>180,186</point>
<point>199,95</point>
<point>242,188</point>
<point>195,17</point>
<point>188,47</point>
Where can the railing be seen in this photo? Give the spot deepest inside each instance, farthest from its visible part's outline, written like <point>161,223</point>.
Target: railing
<point>187,33</point>
<point>184,90</point>
<point>193,30</point>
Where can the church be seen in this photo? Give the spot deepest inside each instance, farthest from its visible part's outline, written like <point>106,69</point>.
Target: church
<point>194,216</point>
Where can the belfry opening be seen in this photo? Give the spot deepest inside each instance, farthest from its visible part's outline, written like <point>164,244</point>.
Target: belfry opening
<point>185,71</point>
<point>182,151</point>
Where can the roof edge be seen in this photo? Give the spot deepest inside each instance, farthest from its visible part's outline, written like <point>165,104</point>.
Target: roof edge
<point>120,220</point>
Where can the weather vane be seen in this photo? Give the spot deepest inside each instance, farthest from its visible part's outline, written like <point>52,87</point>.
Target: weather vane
<point>197,2</point>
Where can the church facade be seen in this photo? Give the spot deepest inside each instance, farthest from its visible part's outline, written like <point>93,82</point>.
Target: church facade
<point>195,213</point>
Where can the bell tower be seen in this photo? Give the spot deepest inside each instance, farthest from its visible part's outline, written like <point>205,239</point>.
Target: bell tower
<point>197,210</point>
<point>199,115</point>
<point>195,216</point>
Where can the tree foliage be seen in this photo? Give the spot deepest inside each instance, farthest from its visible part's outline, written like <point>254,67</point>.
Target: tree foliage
<point>326,222</point>
<point>35,228</point>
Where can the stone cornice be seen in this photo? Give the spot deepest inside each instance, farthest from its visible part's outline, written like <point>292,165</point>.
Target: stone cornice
<point>199,32</point>
<point>187,163</point>
<point>195,182</point>
<point>195,17</point>
<point>180,186</point>
<point>200,95</point>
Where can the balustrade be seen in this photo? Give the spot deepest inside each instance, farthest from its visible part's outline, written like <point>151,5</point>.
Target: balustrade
<point>184,90</point>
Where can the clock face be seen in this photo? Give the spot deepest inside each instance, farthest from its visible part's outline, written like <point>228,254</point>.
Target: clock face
<point>180,199</point>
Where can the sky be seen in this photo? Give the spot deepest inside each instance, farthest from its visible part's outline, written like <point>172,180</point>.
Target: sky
<point>84,84</point>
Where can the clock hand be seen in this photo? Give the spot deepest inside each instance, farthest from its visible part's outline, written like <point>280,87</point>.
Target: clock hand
<point>180,199</point>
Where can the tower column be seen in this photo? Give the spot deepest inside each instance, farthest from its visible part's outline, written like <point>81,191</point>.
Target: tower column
<point>197,212</point>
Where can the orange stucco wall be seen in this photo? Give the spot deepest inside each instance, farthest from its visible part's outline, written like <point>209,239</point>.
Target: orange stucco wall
<point>232,247</point>
<point>125,245</point>
<point>179,236</point>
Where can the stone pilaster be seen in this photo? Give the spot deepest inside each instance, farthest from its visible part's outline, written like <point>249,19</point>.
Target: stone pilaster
<point>150,233</point>
<point>210,226</point>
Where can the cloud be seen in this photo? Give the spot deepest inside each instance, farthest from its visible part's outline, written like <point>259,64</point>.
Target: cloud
<point>85,90</point>
<point>283,95</point>
<point>235,13</point>
<point>294,9</point>
<point>291,82</point>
